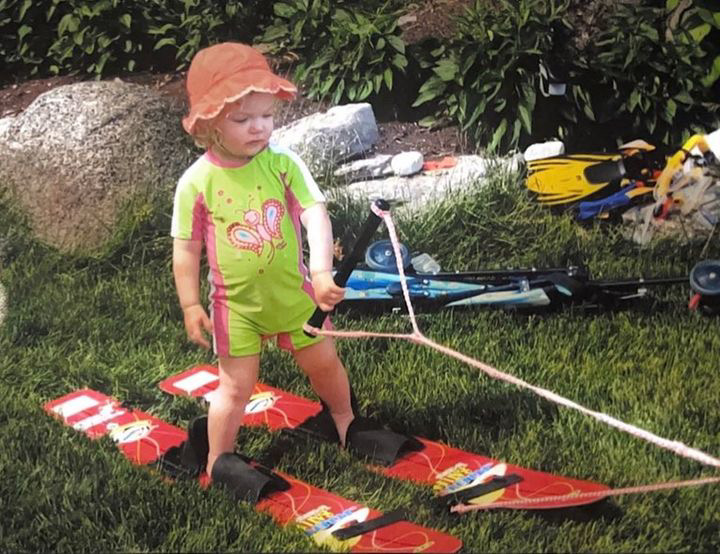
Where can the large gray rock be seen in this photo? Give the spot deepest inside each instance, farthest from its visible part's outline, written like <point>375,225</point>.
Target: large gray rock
<point>417,191</point>
<point>81,152</point>
<point>324,140</point>
<point>368,168</point>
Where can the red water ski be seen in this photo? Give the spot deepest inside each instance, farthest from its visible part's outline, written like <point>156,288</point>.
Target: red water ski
<point>447,470</point>
<point>143,438</point>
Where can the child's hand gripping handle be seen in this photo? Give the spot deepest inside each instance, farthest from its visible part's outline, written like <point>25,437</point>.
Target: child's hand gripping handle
<point>358,253</point>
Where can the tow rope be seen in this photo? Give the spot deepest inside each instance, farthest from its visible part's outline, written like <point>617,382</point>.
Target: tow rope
<point>417,337</point>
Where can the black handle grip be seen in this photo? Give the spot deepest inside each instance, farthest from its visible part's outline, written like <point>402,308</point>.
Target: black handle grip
<point>358,252</point>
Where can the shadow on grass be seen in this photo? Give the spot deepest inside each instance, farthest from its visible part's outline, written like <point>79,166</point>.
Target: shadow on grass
<point>605,510</point>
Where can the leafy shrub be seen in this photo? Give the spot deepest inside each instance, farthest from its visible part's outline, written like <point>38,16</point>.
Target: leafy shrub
<point>346,53</point>
<point>297,25</point>
<point>649,73</point>
<point>111,36</point>
<point>24,34</point>
<point>698,21</point>
<point>91,35</point>
<point>193,24</point>
<point>485,78</point>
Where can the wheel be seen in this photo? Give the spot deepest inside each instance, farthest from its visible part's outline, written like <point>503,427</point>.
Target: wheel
<point>380,256</point>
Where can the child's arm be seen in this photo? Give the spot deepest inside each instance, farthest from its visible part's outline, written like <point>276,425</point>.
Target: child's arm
<point>316,221</point>
<point>186,269</point>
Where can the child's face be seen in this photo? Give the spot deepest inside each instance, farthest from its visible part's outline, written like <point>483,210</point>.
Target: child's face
<point>246,125</point>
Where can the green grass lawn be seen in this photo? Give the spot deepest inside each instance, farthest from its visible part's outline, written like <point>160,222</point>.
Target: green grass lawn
<point>111,322</point>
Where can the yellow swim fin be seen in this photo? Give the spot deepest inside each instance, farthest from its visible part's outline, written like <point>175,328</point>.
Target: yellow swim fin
<point>574,177</point>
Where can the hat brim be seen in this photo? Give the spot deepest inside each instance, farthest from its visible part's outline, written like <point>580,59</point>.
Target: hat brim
<point>232,89</point>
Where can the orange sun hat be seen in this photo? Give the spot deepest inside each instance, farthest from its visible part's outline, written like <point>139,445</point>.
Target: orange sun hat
<point>224,73</point>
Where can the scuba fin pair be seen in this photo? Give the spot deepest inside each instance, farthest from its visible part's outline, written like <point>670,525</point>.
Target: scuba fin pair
<point>601,181</point>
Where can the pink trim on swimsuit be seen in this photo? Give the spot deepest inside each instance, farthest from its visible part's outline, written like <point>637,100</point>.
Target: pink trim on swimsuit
<point>218,294</point>
<point>199,218</point>
<point>294,210</point>
<point>214,159</point>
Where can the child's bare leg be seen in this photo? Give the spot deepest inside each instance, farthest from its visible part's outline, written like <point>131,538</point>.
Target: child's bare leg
<point>329,379</point>
<point>237,379</point>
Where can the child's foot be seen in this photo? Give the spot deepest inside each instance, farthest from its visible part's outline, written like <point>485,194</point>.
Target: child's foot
<point>342,422</point>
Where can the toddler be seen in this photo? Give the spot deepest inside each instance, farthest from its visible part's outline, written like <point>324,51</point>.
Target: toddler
<point>244,200</point>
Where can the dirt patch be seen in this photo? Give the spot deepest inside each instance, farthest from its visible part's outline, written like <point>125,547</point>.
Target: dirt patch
<point>432,19</point>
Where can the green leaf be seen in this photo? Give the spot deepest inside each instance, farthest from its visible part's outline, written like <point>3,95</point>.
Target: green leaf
<point>23,9</point>
<point>446,69</point>
<point>126,19</point>
<point>517,127</point>
<point>500,105</point>
<point>68,23</point>
<point>633,100</point>
<point>683,97</point>
<point>388,77</point>
<point>670,111</point>
<point>698,33</point>
<point>23,31</point>
<point>525,118</point>
<point>274,33</point>
<point>428,121</point>
<point>397,43</point>
<point>365,90</point>
<point>399,61</point>
<point>283,10</point>
<point>713,75</point>
<point>325,87</point>
<point>498,135</point>
<point>477,112</point>
<point>80,36</point>
<point>430,89</point>
<point>167,41</point>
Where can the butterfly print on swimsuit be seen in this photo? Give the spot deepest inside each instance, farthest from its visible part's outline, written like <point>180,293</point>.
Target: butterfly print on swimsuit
<point>258,229</point>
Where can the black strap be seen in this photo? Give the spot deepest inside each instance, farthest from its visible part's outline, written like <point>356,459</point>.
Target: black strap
<point>189,458</point>
<point>369,525</point>
<point>245,482</point>
<point>370,439</point>
<point>496,483</point>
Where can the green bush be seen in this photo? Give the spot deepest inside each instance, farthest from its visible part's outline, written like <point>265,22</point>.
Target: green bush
<point>24,35</point>
<point>651,71</point>
<point>193,24</point>
<point>113,36</point>
<point>111,33</point>
<point>486,77</point>
<point>345,52</point>
<point>297,25</point>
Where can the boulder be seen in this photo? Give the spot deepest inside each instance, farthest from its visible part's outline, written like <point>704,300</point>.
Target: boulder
<point>324,140</point>
<point>407,163</point>
<point>542,150</point>
<point>417,191</point>
<point>369,168</point>
<point>81,152</point>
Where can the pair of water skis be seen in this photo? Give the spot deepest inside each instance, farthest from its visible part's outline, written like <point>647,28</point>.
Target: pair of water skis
<point>455,476</point>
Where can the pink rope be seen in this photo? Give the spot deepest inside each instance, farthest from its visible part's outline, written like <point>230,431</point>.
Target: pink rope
<point>417,337</point>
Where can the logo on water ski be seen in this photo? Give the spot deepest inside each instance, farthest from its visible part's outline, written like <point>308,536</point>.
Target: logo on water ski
<point>320,523</point>
<point>261,402</point>
<point>460,476</point>
<point>130,432</point>
<point>105,413</point>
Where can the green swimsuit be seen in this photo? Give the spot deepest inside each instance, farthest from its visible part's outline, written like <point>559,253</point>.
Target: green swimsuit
<point>248,218</point>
